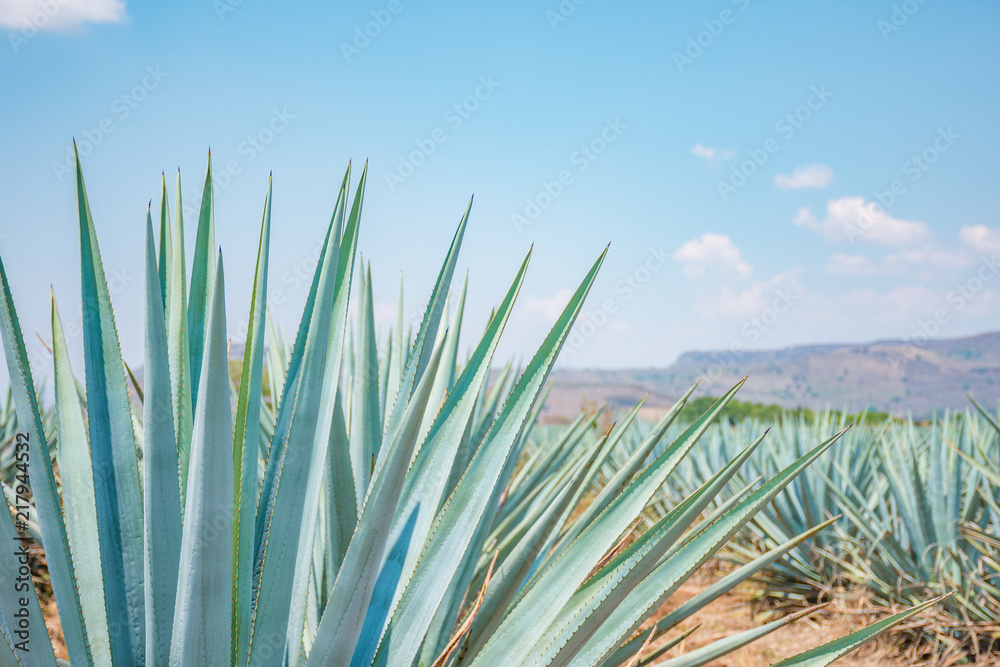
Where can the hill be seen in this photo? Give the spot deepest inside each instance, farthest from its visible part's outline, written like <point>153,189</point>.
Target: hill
<point>892,376</point>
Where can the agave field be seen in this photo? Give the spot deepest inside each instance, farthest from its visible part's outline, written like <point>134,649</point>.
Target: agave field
<point>908,511</point>
<point>354,497</point>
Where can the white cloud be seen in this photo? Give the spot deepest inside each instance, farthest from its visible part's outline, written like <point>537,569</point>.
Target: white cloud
<point>925,258</point>
<point>921,261</point>
<point>810,176</point>
<point>715,252</point>
<point>755,298</point>
<point>548,308</point>
<point>981,238</point>
<point>852,219</point>
<point>711,154</point>
<point>32,15</point>
<point>851,265</point>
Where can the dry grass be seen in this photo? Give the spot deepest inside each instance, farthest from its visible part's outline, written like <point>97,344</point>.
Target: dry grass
<point>731,613</point>
<point>40,577</point>
<point>736,612</point>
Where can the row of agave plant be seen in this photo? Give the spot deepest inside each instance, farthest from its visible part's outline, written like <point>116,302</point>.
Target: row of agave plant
<point>913,510</point>
<point>355,504</point>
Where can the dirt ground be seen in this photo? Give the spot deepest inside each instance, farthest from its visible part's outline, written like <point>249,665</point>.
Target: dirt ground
<point>734,612</point>
<point>729,614</point>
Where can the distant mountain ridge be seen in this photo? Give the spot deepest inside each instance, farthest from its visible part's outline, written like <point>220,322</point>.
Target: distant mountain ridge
<point>890,375</point>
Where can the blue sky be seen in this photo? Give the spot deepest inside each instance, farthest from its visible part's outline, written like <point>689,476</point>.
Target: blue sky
<point>767,174</point>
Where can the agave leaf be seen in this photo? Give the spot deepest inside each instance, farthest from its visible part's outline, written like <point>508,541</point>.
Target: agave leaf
<point>621,478</point>
<point>39,477</point>
<point>13,595</point>
<point>420,352</point>
<point>161,496</point>
<point>291,384</point>
<point>113,449</point>
<point>73,456</point>
<point>289,534</point>
<point>277,360</point>
<point>342,508</point>
<point>658,651</point>
<point>424,486</point>
<point>42,484</point>
<point>383,378</point>
<point>166,245</point>
<point>627,603</point>
<point>602,456</point>
<point>552,588</point>
<point>539,463</point>
<point>831,651</point>
<point>7,656</point>
<point>178,343</point>
<point>397,354</point>
<point>340,628</point>
<point>516,567</point>
<point>991,475</point>
<point>987,416</point>
<point>80,511</point>
<point>446,369</point>
<point>366,426</point>
<point>618,587</point>
<point>202,617</point>
<point>727,645</point>
<point>716,589</point>
<point>487,412</point>
<point>477,491</point>
<point>245,448</point>
<point>202,278</point>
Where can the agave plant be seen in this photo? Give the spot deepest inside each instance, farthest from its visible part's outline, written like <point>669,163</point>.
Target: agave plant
<point>8,433</point>
<point>929,531</point>
<point>358,508</point>
<point>912,510</point>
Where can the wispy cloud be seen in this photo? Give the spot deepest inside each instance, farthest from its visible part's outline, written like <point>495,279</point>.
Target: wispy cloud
<point>851,219</point>
<point>548,308</point>
<point>712,154</point>
<point>741,303</point>
<point>59,15</point>
<point>809,176</point>
<point>924,261</point>
<point>981,238</point>
<point>851,265</point>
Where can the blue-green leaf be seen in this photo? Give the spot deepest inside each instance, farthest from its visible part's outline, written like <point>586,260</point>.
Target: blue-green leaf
<point>476,495</point>
<point>202,278</point>
<point>245,447</point>
<point>203,614</point>
<point>79,508</point>
<point>161,495</point>
<point>113,450</point>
